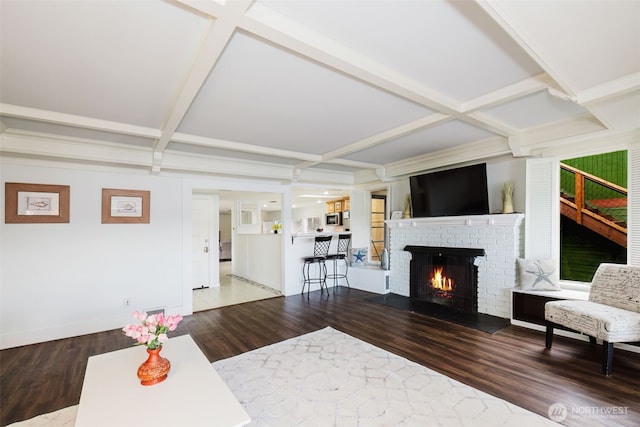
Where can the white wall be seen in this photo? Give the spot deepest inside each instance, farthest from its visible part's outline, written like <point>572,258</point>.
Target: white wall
<point>501,171</point>
<point>316,210</point>
<point>258,257</point>
<point>77,275</point>
<point>360,201</point>
<point>60,280</point>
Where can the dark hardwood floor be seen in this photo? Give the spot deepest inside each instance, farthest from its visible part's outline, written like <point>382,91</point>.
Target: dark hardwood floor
<point>510,364</point>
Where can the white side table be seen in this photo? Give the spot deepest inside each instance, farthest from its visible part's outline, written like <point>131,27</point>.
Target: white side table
<point>192,395</point>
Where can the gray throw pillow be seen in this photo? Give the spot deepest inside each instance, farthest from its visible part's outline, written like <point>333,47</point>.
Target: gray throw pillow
<point>538,275</point>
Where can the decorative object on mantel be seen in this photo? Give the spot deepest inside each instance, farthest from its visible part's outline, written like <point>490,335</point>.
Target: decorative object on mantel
<point>152,332</point>
<point>507,198</point>
<point>406,213</point>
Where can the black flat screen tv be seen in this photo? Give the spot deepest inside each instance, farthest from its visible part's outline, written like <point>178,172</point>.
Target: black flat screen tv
<point>460,191</point>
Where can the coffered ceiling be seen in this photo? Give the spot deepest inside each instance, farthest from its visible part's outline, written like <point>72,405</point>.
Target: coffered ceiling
<point>330,92</point>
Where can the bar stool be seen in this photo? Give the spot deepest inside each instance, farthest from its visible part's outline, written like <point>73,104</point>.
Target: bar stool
<point>344,240</point>
<point>320,251</point>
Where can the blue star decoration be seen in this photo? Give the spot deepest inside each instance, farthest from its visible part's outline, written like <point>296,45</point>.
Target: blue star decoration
<point>541,275</point>
<point>360,255</point>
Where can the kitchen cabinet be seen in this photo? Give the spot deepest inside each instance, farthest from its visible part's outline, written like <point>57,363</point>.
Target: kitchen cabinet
<point>330,207</point>
<point>338,206</point>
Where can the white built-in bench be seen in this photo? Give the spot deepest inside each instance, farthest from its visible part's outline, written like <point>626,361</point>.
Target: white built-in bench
<point>369,278</point>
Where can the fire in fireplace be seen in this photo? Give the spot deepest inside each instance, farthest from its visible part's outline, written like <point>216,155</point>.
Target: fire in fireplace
<point>442,284</point>
<point>446,276</point>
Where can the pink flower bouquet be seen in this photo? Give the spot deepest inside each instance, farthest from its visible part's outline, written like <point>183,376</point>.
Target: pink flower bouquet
<point>152,329</point>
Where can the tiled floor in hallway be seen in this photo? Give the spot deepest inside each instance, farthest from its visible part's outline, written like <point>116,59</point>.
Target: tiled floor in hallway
<point>231,291</point>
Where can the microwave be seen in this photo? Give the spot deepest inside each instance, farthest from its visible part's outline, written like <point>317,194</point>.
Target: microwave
<point>333,218</point>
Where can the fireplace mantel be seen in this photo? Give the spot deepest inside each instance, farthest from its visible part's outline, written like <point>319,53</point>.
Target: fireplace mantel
<point>469,220</point>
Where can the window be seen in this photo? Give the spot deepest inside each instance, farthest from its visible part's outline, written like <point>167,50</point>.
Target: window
<point>378,230</point>
<point>542,207</point>
<point>593,214</point>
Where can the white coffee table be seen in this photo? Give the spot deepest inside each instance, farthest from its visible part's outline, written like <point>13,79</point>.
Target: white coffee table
<point>192,395</point>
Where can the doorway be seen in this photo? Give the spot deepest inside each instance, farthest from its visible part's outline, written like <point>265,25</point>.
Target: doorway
<point>213,282</point>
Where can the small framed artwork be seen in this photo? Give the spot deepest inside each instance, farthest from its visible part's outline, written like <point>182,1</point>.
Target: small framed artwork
<point>125,206</point>
<point>396,215</point>
<point>35,203</point>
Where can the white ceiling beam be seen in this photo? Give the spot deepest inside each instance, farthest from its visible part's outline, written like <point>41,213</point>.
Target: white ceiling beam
<point>471,152</point>
<point>550,132</point>
<point>240,146</point>
<point>381,138</point>
<point>208,8</point>
<point>273,27</point>
<point>335,179</point>
<point>353,163</point>
<point>388,135</point>
<point>37,144</point>
<point>612,89</point>
<point>487,122</point>
<point>498,12</point>
<point>219,166</point>
<point>587,144</point>
<point>54,117</point>
<point>215,41</point>
<point>508,93</point>
<point>279,30</point>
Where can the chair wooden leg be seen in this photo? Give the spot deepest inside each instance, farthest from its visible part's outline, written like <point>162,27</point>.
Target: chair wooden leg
<point>549,335</point>
<point>607,357</point>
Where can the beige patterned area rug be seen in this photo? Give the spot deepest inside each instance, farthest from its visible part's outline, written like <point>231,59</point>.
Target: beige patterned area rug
<point>328,378</point>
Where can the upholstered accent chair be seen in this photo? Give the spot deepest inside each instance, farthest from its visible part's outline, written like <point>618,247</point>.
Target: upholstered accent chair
<point>612,313</point>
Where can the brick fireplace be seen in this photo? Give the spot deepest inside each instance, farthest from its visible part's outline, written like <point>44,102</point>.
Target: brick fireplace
<point>500,237</point>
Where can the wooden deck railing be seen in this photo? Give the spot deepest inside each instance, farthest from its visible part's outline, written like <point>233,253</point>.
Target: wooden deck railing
<point>578,208</point>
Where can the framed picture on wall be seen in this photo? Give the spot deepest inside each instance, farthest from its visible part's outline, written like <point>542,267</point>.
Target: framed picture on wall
<point>36,203</point>
<point>125,206</point>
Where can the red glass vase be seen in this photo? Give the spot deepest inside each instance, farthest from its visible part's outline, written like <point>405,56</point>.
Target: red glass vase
<point>155,369</point>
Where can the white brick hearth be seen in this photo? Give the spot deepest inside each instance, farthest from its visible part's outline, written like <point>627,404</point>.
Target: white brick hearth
<point>501,236</point>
